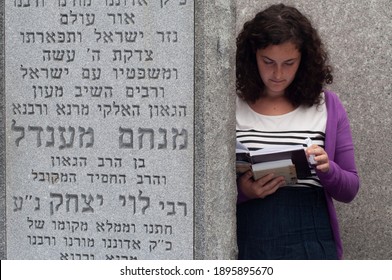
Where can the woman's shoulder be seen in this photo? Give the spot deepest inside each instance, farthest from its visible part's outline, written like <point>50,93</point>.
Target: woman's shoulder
<point>333,101</point>
<point>245,117</point>
<point>331,97</point>
<point>329,94</point>
<point>241,105</point>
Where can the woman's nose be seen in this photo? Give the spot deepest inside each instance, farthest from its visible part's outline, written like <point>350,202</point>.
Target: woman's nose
<point>278,73</point>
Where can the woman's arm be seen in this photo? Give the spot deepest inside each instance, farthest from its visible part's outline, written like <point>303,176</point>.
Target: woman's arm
<point>341,181</point>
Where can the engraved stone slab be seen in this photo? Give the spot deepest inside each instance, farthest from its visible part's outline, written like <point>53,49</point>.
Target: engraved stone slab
<point>99,123</point>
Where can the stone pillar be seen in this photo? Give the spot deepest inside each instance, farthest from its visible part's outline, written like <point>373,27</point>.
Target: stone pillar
<point>215,130</point>
<point>119,130</point>
<point>2,140</point>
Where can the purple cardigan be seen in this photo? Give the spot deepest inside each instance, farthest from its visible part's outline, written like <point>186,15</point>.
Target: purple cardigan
<point>341,182</point>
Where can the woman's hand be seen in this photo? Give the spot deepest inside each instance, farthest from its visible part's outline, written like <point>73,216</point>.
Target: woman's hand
<point>260,188</point>
<point>320,156</point>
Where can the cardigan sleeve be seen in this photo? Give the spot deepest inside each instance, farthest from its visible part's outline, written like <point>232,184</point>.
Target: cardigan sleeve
<point>342,180</point>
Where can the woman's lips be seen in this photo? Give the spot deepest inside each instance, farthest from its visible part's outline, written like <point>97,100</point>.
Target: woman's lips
<point>277,82</point>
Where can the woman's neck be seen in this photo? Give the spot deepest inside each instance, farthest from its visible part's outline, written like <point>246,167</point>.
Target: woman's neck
<point>272,106</point>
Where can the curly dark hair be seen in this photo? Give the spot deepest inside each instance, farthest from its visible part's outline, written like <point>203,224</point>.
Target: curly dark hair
<point>276,25</point>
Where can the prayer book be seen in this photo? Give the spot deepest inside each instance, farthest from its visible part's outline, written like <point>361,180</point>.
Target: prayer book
<point>288,161</point>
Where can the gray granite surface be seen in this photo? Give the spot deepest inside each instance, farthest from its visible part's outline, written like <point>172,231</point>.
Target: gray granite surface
<point>2,139</point>
<point>178,201</point>
<point>215,195</point>
<point>100,129</point>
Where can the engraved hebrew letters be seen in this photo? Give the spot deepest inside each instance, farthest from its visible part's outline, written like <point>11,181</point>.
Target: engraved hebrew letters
<point>99,123</point>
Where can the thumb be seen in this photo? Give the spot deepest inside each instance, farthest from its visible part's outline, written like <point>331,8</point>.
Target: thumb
<point>248,175</point>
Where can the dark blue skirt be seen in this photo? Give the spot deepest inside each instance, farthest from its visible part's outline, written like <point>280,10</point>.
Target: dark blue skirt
<point>292,223</point>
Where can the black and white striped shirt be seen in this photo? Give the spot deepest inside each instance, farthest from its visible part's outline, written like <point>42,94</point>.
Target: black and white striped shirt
<point>258,131</point>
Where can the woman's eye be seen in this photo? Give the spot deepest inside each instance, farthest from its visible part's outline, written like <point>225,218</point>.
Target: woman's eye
<point>268,62</point>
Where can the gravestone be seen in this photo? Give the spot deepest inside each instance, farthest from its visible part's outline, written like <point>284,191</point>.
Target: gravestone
<point>99,129</point>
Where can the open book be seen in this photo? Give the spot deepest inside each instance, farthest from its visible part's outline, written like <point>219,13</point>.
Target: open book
<point>288,161</point>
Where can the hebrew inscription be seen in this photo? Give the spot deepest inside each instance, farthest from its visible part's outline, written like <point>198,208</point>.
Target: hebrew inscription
<point>99,122</point>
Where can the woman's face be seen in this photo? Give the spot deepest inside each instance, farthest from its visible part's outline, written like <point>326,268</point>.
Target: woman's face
<point>277,66</point>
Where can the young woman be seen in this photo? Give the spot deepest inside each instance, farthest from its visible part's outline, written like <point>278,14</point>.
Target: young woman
<point>281,73</point>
